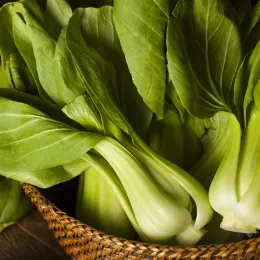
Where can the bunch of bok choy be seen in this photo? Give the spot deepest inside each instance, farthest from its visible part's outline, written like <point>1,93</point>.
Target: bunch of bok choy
<point>153,104</point>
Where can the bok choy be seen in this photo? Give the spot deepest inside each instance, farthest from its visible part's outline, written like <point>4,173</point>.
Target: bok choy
<point>153,105</point>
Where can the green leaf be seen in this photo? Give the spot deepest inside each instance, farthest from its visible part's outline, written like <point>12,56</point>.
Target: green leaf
<point>43,105</point>
<point>98,33</point>
<point>14,204</point>
<point>48,177</point>
<point>131,102</point>
<point>24,46</point>
<point>110,72</point>
<point>36,9</point>
<point>31,140</point>
<point>53,15</point>
<point>241,87</point>
<point>83,111</point>
<point>94,66</point>
<point>141,29</point>
<point>256,78</point>
<point>247,80</point>
<point>172,94</point>
<point>6,41</point>
<point>3,78</point>
<point>56,16</point>
<point>69,81</point>
<point>109,127</point>
<point>19,76</point>
<point>215,144</point>
<point>43,40</point>
<point>204,54</point>
<point>173,4</point>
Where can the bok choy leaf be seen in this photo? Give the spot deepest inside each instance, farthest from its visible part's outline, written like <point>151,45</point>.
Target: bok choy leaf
<point>14,204</point>
<point>35,141</point>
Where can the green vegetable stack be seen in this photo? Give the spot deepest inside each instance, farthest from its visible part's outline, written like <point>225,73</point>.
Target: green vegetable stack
<point>155,105</point>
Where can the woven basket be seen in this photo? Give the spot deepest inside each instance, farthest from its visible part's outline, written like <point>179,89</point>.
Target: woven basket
<point>83,242</point>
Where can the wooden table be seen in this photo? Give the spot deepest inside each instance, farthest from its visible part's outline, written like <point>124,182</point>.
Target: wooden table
<point>30,239</point>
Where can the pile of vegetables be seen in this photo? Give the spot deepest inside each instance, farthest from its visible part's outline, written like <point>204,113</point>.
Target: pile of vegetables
<point>155,105</point>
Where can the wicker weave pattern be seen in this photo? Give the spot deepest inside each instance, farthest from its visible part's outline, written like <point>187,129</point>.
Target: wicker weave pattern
<point>82,242</point>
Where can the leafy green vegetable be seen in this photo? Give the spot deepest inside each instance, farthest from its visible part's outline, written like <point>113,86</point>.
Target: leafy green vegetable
<point>24,45</point>
<point>177,193</point>
<point>133,97</point>
<point>164,208</point>
<point>188,183</point>
<point>43,48</point>
<point>69,81</point>
<point>246,82</point>
<point>161,176</point>
<point>247,210</point>
<point>215,142</point>
<point>35,141</point>
<point>141,28</point>
<point>13,204</point>
<point>98,204</point>
<point>196,33</point>
<point>231,192</point>
<point>92,67</point>
<point>19,76</point>
<point>91,53</point>
<point>224,85</point>
<point>3,79</point>
<point>83,111</point>
<point>107,172</point>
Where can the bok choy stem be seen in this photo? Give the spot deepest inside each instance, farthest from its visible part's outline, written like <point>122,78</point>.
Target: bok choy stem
<point>99,206</point>
<point>159,217</point>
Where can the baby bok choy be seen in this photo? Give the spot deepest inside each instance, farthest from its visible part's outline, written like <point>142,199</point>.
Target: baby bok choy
<point>104,97</point>
<point>145,185</point>
<point>93,117</point>
<point>224,87</point>
<point>244,216</point>
<point>154,209</point>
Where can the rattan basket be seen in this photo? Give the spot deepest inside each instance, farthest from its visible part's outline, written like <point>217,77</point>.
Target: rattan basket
<point>83,242</point>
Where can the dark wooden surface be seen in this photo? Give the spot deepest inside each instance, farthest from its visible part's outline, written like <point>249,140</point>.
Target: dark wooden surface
<point>30,239</point>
